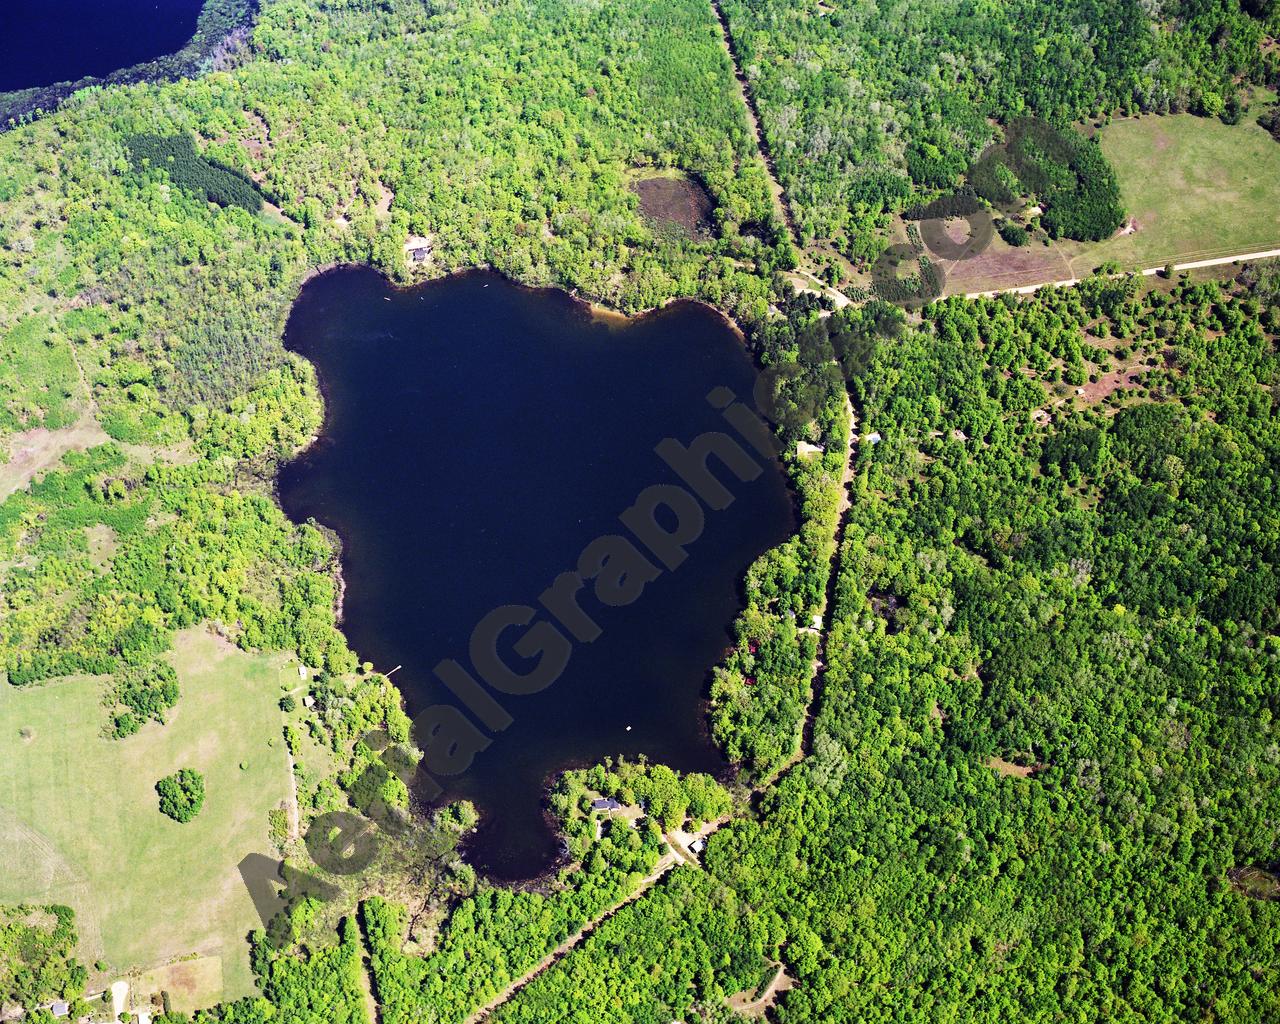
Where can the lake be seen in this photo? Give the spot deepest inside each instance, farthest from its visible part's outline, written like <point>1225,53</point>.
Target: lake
<point>48,41</point>
<point>479,436</point>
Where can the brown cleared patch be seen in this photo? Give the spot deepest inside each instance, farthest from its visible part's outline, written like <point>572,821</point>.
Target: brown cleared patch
<point>385,196</point>
<point>1005,266</point>
<point>33,452</point>
<point>1256,883</point>
<point>261,138</point>
<point>192,984</point>
<point>678,202</point>
<point>1010,770</point>
<point>757,1003</point>
<point>1108,383</point>
<point>102,544</point>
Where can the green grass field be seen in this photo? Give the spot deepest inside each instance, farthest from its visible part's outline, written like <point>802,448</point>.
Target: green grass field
<point>79,822</point>
<point>1196,187</point>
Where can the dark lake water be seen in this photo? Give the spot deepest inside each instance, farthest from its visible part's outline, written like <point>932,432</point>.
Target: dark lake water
<point>479,436</point>
<point>47,41</point>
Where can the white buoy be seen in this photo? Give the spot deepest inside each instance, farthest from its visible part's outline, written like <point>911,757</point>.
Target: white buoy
<point>628,728</point>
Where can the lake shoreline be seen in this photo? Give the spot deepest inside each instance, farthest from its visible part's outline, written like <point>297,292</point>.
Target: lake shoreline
<point>581,310</point>
<point>597,310</point>
<point>220,30</point>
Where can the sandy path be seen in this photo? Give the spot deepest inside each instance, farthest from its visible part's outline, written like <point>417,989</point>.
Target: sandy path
<point>675,855</point>
<point>119,997</point>
<point>781,207</point>
<point>1028,289</point>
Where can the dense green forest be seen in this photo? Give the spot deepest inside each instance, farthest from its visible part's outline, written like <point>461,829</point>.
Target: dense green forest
<point>1063,172</point>
<point>871,107</point>
<point>37,964</point>
<point>1043,779</point>
<point>176,156</point>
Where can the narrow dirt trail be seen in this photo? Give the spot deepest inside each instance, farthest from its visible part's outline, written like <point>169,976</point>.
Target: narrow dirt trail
<point>805,746</point>
<point>1219,261</point>
<point>678,854</point>
<point>675,856</point>
<point>747,1007</point>
<point>781,207</point>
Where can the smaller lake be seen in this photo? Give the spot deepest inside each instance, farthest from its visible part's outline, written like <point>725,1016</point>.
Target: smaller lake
<point>48,41</point>
<point>479,437</point>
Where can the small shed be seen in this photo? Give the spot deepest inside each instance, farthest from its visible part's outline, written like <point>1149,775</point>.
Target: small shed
<point>697,846</point>
<point>605,803</point>
<point>60,1009</point>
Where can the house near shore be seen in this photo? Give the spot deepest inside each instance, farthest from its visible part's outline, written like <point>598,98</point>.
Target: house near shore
<point>417,249</point>
<point>606,803</point>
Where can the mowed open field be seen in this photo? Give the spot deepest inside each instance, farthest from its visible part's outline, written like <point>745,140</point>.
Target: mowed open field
<point>79,822</point>
<point>1195,188</point>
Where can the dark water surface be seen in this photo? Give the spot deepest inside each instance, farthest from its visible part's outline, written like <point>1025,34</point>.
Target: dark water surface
<point>48,41</point>
<point>479,436</point>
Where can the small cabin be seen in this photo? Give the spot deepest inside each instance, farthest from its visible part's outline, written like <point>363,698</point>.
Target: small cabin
<point>697,846</point>
<point>417,249</point>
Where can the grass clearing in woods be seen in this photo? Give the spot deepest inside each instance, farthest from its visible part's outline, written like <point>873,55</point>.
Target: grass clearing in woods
<point>1197,188</point>
<point>79,818</point>
<point>1192,187</point>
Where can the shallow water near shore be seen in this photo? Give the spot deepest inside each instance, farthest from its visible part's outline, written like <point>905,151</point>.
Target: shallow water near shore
<point>478,437</point>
